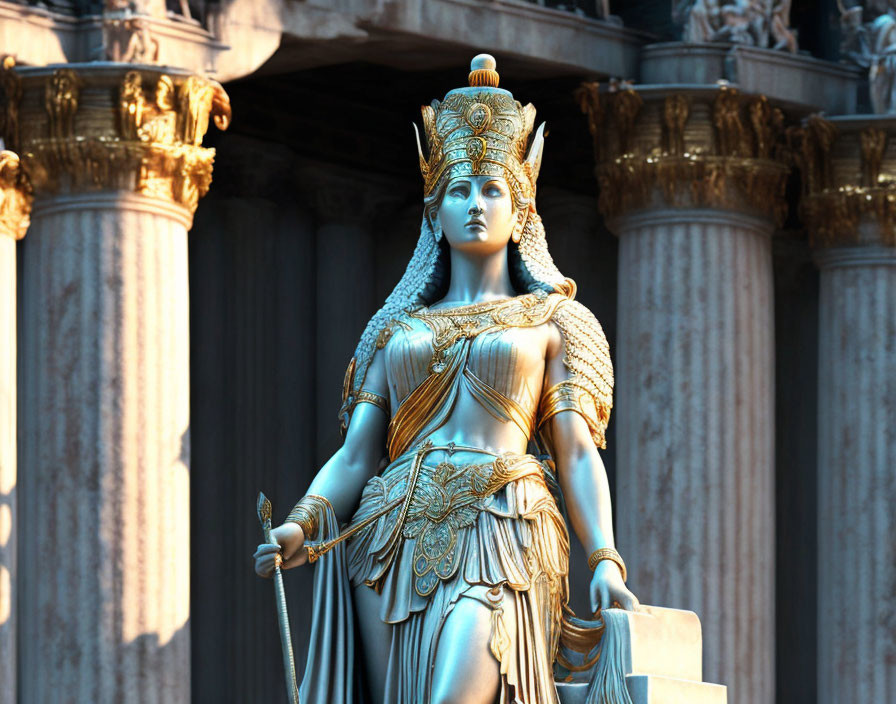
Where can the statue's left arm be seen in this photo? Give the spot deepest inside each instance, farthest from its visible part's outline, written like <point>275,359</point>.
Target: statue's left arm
<point>574,411</point>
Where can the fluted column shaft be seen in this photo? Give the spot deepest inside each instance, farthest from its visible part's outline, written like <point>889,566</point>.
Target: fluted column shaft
<point>113,155</point>
<point>695,430</point>
<point>857,476</point>
<point>345,206</point>
<point>106,452</point>
<point>848,173</point>
<point>345,299</point>
<point>15,205</point>
<point>692,182</point>
<point>8,487</point>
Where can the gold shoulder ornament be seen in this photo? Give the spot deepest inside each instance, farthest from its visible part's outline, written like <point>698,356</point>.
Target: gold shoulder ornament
<point>586,355</point>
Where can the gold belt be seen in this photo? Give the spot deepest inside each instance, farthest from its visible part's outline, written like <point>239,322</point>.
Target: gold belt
<point>480,484</point>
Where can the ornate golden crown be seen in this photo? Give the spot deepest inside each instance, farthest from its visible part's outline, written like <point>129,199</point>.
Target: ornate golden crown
<point>480,131</point>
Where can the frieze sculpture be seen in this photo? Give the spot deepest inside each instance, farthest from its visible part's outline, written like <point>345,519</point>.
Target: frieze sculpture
<point>473,409</point>
<point>127,37</point>
<point>868,39</point>
<point>761,23</point>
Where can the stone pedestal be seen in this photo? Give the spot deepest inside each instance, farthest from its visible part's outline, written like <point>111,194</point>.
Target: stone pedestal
<point>662,653</point>
<point>113,155</point>
<point>691,184</point>
<point>848,207</point>
<point>15,203</point>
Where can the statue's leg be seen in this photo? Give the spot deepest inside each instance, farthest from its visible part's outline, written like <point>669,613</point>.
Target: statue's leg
<point>376,640</point>
<point>465,670</point>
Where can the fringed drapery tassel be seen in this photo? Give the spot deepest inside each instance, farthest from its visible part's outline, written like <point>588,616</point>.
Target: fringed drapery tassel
<point>607,684</point>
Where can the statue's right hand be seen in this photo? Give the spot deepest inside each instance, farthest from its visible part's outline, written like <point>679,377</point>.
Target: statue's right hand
<point>289,545</point>
<point>266,558</point>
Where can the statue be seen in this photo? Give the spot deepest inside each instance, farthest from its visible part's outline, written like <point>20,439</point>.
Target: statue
<point>872,45</point>
<point>473,409</point>
<point>762,23</point>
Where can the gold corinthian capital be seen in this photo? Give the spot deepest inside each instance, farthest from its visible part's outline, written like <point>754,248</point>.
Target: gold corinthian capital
<point>113,127</point>
<point>701,147</point>
<point>848,171</point>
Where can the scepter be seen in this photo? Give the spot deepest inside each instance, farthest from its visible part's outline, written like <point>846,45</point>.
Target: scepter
<point>264,515</point>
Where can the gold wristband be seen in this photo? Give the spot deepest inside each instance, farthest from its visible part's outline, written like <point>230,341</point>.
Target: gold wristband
<point>602,554</point>
<point>308,513</point>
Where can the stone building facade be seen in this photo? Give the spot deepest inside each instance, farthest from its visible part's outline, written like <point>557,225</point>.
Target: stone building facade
<point>716,179</point>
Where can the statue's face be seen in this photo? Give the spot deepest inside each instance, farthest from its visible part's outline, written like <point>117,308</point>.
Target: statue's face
<point>476,214</point>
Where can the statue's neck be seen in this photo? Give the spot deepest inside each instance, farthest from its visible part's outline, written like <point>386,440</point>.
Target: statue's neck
<point>477,277</point>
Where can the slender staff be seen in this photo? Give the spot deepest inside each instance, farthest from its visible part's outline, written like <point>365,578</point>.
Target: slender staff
<point>264,515</point>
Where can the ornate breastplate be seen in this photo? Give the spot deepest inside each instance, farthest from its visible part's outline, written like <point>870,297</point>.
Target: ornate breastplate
<point>446,362</point>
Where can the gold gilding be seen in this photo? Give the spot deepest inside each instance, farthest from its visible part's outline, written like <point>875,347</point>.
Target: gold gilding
<point>478,131</point>
<point>15,197</point>
<point>712,148</point>
<point>141,130</point>
<point>838,197</point>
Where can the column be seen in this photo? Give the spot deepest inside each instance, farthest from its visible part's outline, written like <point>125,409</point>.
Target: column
<point>253,412</point>
<point>15,204</point>
<point>113,154</point>
<point>345,207</point>
<point>847,206</point>
<point>689,183</point>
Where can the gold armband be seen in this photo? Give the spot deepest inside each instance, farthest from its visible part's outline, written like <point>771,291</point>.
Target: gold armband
<point>380,402</point>
<point>560,397</point>
<point>602,554</point>
<point>570,396</point>
<point>309,513</point>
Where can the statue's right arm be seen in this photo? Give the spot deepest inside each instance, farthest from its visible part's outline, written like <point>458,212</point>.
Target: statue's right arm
<point>343,477</point>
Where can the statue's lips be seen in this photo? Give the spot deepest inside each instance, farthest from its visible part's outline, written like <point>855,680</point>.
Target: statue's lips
<point>477,223</point>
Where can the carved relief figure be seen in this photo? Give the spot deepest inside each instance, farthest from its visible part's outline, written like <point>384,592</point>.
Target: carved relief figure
<point>872,44</point>
<point>762,23</point>
<point>473,410</point>
<point>126,31</point>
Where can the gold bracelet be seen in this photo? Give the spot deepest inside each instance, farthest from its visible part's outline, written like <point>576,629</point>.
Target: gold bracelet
<point>308,513</point>
<point>602,554</point>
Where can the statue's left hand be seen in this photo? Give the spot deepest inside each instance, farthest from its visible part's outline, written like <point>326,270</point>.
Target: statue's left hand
<point>608,590</point>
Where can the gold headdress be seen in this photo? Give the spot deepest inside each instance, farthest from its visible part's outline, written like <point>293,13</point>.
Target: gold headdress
<point>480,130</point>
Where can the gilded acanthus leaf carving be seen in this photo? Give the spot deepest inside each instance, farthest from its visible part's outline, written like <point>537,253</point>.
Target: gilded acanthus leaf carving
<point>15,196</point>
<point>837,197</point>
<point>61,101</point>
<point>707,147</point>
<point>146,136</point>
<point>874,142</point>
<point>12,95</point>
<point>676,111</point>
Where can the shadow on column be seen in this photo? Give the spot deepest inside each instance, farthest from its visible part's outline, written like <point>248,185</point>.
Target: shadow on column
<point>796,370</point>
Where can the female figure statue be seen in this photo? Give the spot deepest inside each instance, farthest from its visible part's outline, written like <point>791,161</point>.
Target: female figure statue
<point>473,410</point>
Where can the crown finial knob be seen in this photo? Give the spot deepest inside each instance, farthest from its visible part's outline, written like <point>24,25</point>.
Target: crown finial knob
<point>482,71</point>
